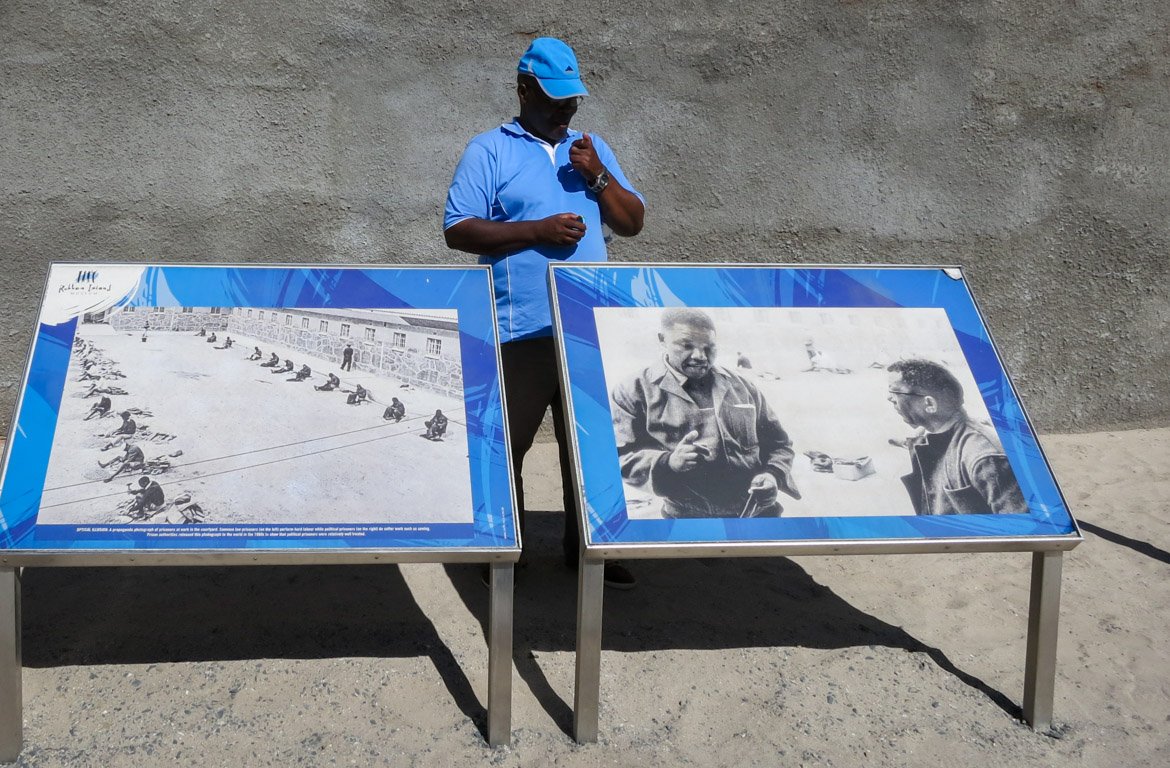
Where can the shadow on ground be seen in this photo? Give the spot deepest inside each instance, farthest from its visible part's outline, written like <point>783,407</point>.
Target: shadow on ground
<point>80,616</point>
<point>684,604</point>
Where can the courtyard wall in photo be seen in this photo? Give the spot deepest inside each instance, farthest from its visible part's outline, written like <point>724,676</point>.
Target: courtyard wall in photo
<point>421,349</point>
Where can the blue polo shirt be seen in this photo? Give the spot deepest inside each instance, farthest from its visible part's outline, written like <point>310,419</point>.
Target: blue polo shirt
<point>507,174</point>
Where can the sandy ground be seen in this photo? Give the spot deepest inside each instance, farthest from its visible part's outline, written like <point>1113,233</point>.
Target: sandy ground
<point>254,447</point>
<point>819,661</point>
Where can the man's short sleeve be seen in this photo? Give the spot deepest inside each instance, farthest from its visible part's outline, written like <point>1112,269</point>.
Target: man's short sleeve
<point>609,160</point>
<point>472,189</point>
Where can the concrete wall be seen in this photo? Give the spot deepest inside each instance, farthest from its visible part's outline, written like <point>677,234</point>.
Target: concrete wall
<point>1029,142</point>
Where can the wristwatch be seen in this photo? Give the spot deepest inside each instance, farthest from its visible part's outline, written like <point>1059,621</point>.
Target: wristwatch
<point>600,183</point>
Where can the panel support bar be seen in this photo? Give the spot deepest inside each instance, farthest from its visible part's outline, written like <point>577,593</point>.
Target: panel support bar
<point>587,692</point>
<point>11,708</point>
<point>500,655</point>
<point>1043,618</point>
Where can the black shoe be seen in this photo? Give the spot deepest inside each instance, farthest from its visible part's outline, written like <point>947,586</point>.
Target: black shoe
<point>485,572</point>
<point>616,575</point>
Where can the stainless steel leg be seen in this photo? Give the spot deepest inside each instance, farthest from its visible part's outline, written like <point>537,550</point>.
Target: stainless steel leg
<point>590,585</point>
<point>500,656</point>
<point>11,714</point>
<point>1043,617</point>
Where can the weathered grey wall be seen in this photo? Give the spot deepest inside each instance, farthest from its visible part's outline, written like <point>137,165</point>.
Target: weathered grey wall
<point>1028,141</point>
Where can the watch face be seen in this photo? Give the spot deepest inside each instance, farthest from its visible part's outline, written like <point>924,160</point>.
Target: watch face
<point>600,183</point>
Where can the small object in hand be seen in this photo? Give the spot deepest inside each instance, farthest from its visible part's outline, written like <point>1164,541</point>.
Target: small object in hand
<point>761,502</point>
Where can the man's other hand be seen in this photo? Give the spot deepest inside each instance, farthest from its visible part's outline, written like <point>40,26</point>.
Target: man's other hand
<point>560,229</point>
<point>687,454</point>
<point>584,158</point>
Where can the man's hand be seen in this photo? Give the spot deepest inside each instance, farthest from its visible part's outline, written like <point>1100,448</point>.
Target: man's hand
<point>560,229</point>
<point>764,486</point>
<point>687,454</point>
<point>766,481</point>
<point>584,158</point>
<point>497,238</point>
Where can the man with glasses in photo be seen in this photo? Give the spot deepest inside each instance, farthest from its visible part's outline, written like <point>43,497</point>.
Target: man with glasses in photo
<point>526,193</point>
<point>958,466</point>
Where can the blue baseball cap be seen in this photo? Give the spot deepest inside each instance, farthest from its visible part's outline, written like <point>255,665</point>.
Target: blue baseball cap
<point>554,65</point>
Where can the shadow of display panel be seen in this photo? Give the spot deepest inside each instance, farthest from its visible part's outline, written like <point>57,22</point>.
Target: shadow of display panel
<point>260,408</point>
<point>747,405</point>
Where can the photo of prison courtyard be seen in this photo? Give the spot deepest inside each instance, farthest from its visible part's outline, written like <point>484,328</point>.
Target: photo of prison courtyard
<point>229,415</point>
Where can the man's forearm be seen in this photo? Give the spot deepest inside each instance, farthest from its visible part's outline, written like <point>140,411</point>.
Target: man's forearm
<point>621,210</point>
<point>490,238</point>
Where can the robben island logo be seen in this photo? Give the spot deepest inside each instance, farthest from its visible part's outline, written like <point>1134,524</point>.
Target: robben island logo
<point>86,282</point>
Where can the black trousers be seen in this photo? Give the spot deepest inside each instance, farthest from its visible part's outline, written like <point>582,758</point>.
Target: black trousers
<point>531,385</point>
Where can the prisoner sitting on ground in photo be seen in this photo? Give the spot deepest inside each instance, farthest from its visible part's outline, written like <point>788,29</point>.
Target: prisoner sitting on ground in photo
<point>127,428</point>
<point>131,460</point>
<point>436,426</point>
<point>395,411</point>
<point>211,338</point>
<point>304,373</point>
<point>101,408</point>
<point>330,384</point>
<point>698,435</point>
<point>358,396</point>
<point>94,389</point>
<point>273,361</point>
<point>288,367</point>
<point>819,362</point>
<point>148,497</point>
<point>958,466</point>
<point>256,354</point>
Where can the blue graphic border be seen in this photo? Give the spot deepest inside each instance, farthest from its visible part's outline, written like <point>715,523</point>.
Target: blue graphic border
<point>466,290</point>
<point>579,289</point>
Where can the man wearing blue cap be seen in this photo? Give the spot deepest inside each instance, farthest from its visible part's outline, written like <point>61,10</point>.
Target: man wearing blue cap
<point>525,193</point>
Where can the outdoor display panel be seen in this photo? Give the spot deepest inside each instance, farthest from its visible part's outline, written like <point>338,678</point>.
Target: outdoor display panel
<point>260,410</point>
<point>746,410</point>
<point>802,390</point>
<point>239,415</point>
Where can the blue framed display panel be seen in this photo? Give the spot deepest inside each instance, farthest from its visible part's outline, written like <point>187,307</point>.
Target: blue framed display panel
<point>581,292</point>
<point>76,291</point>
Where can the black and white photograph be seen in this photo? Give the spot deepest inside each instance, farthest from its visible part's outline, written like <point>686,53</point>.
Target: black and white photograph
<point>798,412</point>
<point>250,415</point>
